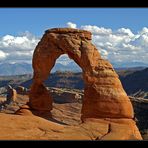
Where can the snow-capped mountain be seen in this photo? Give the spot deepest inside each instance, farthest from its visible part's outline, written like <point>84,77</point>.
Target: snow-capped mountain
<point>63,64</point>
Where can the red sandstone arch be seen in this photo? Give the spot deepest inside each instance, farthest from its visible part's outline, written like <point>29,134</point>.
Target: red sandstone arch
<point>104,96</point>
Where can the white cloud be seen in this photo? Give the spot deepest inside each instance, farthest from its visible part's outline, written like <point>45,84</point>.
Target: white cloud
<point>131,47</point>
<point>121,45</point>
<point>64,59</point>
<point>17,48</point>
<point>144,30</point>
<point>125,31</point>
<point>71,25</point>
<point>97,30</point>
<point>2,55</point>
<point>103,53</point>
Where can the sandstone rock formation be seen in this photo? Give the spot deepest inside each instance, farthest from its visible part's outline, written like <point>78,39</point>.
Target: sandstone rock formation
<point>11,94</point>
<point>65,95</point>
<point>140,106</point>
<point>36,128</point>
<point>21,90</point>
<point>104,96</point>
<point>108,99</point>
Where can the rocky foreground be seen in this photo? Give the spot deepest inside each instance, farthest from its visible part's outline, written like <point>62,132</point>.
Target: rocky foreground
<point>17,127</point>
<point>65,123</point>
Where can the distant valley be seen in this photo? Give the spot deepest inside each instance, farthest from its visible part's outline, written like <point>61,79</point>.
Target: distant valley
<point>134,80</point>
<point>9,69</point>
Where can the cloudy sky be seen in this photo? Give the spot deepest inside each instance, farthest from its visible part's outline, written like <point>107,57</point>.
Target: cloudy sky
<point>121,35</point>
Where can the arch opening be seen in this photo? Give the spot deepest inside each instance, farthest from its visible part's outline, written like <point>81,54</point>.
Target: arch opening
<point>66,87</point>
<point>65,74</point>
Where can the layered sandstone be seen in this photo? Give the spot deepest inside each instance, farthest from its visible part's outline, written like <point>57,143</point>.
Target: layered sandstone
<point>36,128</point>
<point>66,95</point>
<point>104,96</point>
<point>109,98</point>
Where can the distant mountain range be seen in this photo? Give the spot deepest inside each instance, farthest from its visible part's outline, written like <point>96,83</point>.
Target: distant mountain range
<point>133,80</point>
<point>129,64</point>
<point>72,66</point>
<point>7,69</point>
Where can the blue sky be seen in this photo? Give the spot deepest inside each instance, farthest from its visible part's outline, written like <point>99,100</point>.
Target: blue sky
<point>120,34</point>
<point>36,20</point>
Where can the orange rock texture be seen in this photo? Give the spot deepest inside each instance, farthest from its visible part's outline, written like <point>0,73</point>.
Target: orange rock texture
<point>104,96</point>
<point>35,128</point>
<point>11,94</point>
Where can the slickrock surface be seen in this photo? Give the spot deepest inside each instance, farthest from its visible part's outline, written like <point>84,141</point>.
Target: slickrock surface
<point>104,96</point>
<point>67,117</point>
<point>16,127</point>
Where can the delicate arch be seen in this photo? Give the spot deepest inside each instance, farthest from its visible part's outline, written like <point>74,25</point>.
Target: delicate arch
<point>104,95</point>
